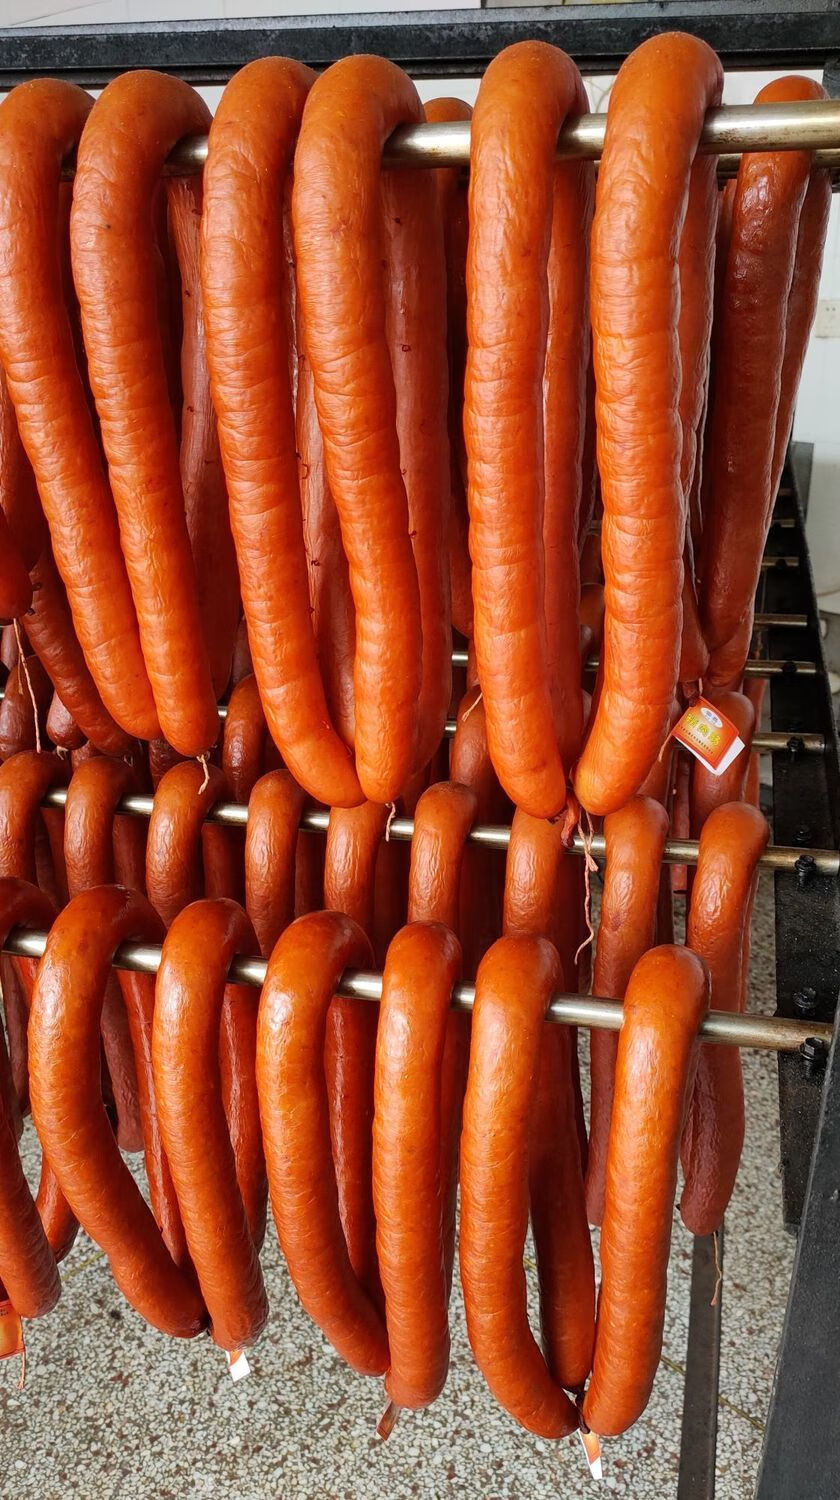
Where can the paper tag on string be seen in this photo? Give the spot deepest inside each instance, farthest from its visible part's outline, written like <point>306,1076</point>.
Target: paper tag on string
<point>709,735</point>
<point>11,1331</point>
<point>238,1364</point>
<point>592,1448</point>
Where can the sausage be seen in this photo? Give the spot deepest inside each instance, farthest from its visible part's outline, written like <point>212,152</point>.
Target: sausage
<point>514,984</point>
<point>177,837</point>
<point>214,1200</point>
<point>452,195</point>
<point>271,841</point>
<point>242,663</point>
<point>410,1193</point>
<point>28,1272</point>
<point>15,583</point>
<point>129,133</point>
<point>749,360</point>
<point>41,127</point>
<point>731,843</point>
<point>68,1112</point>
<point>351,110</point>
<point>707,791</point>
<point>245,740</point>
<point>161,758</point>
<point>22,720</point>
<point>635,838</point>
<point>93,857</point>
<point>416,306</point>
<point>202,475</point>
<point>534,905</point>
<point>665,1002</point>
<point>301,979</point>
<point>354,842</point>
<point>801,310</point>
<point>243,273</point>
<point>519,202</point>
<point>657,107</point>
<point>62,728</point>
<point>482,882</point>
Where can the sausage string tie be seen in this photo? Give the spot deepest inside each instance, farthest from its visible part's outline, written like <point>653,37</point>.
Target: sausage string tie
<point>718,1270</point>
<point>467,711</point>
<point>391,816</point>
<point>204,763</point>
<point>590,868</point>
<point>25,670</point>
<point>388,1421</point>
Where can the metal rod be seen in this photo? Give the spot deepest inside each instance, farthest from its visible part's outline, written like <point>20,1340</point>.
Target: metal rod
<point>800,125</point>
<point>488,835</point>
<point>781,622</point>
<point>770,743</point>
<point>720,1026</point>
<point>757,667</point>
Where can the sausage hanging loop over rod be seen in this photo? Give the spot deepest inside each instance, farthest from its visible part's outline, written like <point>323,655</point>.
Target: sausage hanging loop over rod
<point>773,1033</point>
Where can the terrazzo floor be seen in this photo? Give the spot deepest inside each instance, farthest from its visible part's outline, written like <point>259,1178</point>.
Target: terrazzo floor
<point>113,1411</point>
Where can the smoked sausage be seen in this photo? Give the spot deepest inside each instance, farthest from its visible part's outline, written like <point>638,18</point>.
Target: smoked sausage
<point>664,1005</point>
<point>244,271</point>
<point>178,836</point>
<point>301,979</point>
<point>657,107</point>
<point>707,791</point>
<point>271,841</point>
<point>244,739</point>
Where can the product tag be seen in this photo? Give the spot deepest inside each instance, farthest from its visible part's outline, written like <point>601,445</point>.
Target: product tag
<point>11,1331</point>
<point>709,735</point>
<point>592,1448</point>
<point>238,1364</point>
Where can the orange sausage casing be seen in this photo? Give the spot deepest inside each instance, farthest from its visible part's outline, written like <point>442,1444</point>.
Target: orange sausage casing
<point>129,133</point>
<point>706,792</point>
<point>657,108</point>
<point>351,110</point>
<point>514,983</point>
<point>244,272</point>
<point>302,977</point>
<point>731,843</point>
<point>665,1002</point>
<point>531,684</point>
<point>271,841</point>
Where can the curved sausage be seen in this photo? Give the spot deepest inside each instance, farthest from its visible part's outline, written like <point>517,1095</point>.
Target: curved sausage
<point>801,310</point>
<point>68,1111</point>
<point>302,977</point>
<point>351,110</point>
<point>657,108</point>
<point>749,360</point>
<point>189,995</point>
<point>244,739</point>
<point>271,841</point>
<point>535,906</point>
<point>731,842</point>
<point>22,721</point>
<point>130,131</point>
<point>62,728</point>
<point>354,843</point>
<point>452,196</point>
<point>706,791</point>
<point>532,720</point>
<point>178,835</point>
<point>665,1002</point>
<point>635,838</point>
<point>243,270</point>
<point>410,1194</point>
<point>482,882</point>
<point>40,127</point>
<point>513,987</point>
<point>15,583</point>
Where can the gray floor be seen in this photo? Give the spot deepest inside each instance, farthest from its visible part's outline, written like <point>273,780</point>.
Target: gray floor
<point>113,1411</point>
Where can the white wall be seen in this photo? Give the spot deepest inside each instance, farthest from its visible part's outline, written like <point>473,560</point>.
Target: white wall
<point>818,411</point>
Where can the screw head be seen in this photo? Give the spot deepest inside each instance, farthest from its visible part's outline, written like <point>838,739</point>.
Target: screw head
<point>805,1001</point>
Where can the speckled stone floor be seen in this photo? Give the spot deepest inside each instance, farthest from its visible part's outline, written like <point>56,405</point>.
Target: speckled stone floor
<point>113,1411</point>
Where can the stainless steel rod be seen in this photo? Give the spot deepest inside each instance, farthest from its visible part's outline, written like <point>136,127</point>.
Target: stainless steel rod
<point>488,835</point>
<point>800,125</point>
<point>768,744</point>
<point>775,1033</point>
<point>757,667</point>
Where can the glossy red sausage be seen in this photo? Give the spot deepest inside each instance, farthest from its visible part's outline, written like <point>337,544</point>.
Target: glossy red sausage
<point>706,792</point>
<point>665,1002</point>
<point>22,720</point>
<point>28,1273</point>
<point>410,1195</point>
<point>129,133</point>
<point>68,1112</point>
<point>801,310</point>
<point>214,1200</point>
<point>635,839</point>
<point>657,107</point>
<point>62,728</point>
<point>178,837</point>
<point>15,583</point>
<point>731,843</point>
<point>482,882</point>
<point>514,984</point>
<point>244,739</point>
<point>303,973</point>
<point>271,841</point>
<point>41,125</point>
<point>519,202</point>
<point>244,271</point>
<point>351,110</point>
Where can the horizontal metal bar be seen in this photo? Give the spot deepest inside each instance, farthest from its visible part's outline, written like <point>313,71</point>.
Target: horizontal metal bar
<point>800,125</point>
<point>488,835</point>
<point>721,1027</point>
<point>781,622</point>
<point>757,667</point>
<point>768,744</point>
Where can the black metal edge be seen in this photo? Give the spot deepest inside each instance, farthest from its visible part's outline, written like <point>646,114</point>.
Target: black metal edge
<point>763,33</point>
<point>698,1443</point>
<point>806,809</point>
<point>801,1452</point>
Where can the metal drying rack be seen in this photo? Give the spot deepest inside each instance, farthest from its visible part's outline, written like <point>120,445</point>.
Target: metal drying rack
<point>801,1455</point>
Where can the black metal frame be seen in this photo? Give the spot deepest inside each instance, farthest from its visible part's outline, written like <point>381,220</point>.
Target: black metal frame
<point>802,1441</point>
